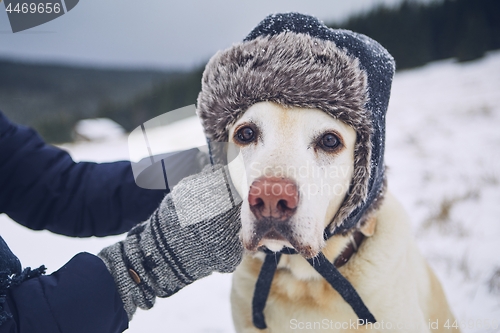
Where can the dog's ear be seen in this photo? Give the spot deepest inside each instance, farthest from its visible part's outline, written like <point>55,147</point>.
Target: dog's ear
<point>368,228</point>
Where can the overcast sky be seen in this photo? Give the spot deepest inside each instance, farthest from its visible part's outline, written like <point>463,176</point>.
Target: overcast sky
<point>155,33</point>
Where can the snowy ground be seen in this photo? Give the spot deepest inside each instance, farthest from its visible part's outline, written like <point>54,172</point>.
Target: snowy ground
<point>443,151</point>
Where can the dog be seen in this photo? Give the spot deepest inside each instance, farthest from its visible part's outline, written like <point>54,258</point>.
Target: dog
<point>290,155</point>
<point>328,247</point>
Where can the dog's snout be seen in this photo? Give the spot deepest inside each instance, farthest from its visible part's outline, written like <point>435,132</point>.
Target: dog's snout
<point>273,198</point>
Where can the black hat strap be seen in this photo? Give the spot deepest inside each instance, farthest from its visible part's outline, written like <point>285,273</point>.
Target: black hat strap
<point>325,268</point>
<point>342,286</point>
<point>262,288</point>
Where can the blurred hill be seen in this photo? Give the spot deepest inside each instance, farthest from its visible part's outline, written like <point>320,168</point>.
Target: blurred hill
<point>53,98</point>
<point>178,92</point>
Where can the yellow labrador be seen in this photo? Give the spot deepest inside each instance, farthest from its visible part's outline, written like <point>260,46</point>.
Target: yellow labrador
<point>388,271</point>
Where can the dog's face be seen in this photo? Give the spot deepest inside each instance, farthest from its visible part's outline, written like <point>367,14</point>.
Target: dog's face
<point>293,173</point>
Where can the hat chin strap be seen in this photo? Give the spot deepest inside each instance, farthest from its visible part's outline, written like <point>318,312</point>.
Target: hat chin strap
<point>324,267</point>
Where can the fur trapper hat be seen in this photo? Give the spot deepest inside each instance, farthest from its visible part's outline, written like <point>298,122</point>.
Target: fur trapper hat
<point>294,60</point>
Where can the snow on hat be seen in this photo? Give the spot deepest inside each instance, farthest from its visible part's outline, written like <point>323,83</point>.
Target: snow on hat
<point>294,60</point>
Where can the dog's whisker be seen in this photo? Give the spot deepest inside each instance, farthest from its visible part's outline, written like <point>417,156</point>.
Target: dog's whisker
<point>313,263</point>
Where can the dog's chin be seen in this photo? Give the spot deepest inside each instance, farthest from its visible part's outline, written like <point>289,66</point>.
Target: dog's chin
<point>278,235</point>
<point>276,245</point>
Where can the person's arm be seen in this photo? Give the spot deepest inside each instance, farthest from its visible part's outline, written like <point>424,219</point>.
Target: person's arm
<point>43,188</point>
<point>80,297</point>
<point>193,232</point>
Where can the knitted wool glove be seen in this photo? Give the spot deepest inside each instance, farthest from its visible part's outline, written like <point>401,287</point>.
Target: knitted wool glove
<point>193,233</point>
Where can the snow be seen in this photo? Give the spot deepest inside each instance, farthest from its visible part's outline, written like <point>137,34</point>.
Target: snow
<point>443,155</point>
<point>97,129</point>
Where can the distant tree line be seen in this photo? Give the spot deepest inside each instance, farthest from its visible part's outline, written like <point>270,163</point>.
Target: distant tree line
<point>52,98</point>
<point>166,96</point>
<point>414,32</point>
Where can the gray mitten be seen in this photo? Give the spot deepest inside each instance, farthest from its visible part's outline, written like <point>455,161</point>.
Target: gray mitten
<point>193,233</point>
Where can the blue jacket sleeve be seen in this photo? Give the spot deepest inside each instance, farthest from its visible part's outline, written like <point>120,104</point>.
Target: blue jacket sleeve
<point>80,297</point>
<point>43,188</point>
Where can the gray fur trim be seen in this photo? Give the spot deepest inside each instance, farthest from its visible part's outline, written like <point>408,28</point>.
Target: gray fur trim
<point>292,70</point>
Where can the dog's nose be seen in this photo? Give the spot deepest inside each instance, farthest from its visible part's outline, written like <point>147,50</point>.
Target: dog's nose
<point>273,197</point>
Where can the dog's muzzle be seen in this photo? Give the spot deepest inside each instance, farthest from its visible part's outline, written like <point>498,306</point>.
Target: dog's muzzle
<point>273,201</point>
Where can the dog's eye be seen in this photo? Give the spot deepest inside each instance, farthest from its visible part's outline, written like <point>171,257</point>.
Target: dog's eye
<point>245,134</point>
<point>330,141</point>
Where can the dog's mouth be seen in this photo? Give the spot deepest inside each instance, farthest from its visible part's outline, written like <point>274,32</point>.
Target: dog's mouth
<point>277,235</point>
